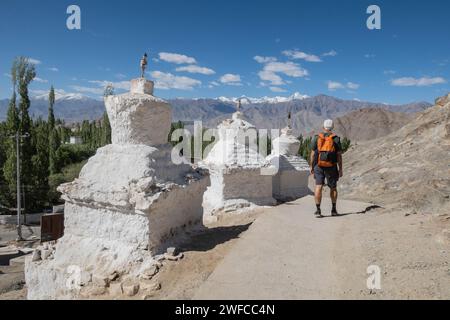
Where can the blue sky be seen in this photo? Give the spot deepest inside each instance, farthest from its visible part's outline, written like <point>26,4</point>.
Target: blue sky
<point>211,48</point>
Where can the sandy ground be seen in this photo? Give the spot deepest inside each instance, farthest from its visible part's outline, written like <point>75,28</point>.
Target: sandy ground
<point>412,251</point>
<point>12,279</point>
<point>309,258</point>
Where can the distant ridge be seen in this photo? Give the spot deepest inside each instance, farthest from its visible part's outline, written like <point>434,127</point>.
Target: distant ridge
<point>266,112</point>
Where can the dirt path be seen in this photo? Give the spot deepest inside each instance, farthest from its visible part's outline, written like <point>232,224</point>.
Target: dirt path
<point>289,254</point>
<point>286,253</point>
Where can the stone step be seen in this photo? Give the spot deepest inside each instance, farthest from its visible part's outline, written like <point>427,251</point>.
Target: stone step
<point>19,261</point>
<point>6,251</point>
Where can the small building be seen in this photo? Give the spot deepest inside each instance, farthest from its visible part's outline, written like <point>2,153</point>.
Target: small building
<point>75,140</point>
<point>240,177</point>
<point>291,180</point>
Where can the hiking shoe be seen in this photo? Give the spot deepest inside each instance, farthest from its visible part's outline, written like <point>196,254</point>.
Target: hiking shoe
<point>334,213</point>
<point>318,214</point>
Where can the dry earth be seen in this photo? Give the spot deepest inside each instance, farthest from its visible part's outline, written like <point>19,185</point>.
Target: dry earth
<point>370,123</point>
<point>409,168</point>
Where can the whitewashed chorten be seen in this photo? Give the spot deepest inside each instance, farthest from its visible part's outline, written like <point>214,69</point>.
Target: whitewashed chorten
<point>291,180</point>
<point>240,176</point>
<point>125,207</point>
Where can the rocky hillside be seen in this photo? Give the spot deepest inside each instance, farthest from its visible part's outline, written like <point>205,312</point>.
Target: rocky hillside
<point>370,123</point>
<point>409,168</point>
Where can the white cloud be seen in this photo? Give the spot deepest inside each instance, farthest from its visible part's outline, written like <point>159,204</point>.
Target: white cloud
<point>334,85</point>
<point>196,69</point>
<point>369,56</point>
<point>7,75</point>
<point>271,77</point>
<point>45,93</point>
<point>231,79</point>
<point>417,82</point>
<point>34,61</point>
<point>96,91</point>
<point>331,53</point>
<point>53,69</point>
<point>168,81</point>
<point>277,89</point>
<point>213,84</point>
<point>123,85</point>
<point>295,54</point>
<point>389,72</point>
<point>288,68</point>
<point>176,58</point>
<point>261,59</point>
<point>273,70</point>
<point>120,76</point>
<point>37,79</point>
<point>352,86</point>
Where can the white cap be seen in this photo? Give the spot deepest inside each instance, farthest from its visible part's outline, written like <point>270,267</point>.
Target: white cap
<point>328,124</point>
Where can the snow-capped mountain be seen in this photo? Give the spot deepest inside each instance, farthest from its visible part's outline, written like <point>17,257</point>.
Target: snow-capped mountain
<point>267,112</point>
<point>63,97</point>
<point>277,99</point>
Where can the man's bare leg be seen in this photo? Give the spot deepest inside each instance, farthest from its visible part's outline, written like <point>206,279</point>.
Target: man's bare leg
<point>334,197</point>
<point>318,198</point>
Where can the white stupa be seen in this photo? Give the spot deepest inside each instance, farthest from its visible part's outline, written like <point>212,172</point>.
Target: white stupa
<point>291,180</point>
<point>240,176</point>
<point>125,207</point>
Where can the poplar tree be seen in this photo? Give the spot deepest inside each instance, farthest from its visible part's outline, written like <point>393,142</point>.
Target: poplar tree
<point>106,130</point>
<point>40,161</point>
<point>11,128</point>
<point>54,142</point>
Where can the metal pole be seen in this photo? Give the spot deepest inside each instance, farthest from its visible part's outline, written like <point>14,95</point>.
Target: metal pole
<point>19,222</point>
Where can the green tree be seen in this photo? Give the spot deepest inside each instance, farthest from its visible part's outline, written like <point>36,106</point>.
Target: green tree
<point>25,74</point>
<point>305,147</point>
<point>40,160</point>
<point>54,139</point>
<point>4,190</point>
<point>346,144</point>
<point>11,128</point>
<point>106,130</point>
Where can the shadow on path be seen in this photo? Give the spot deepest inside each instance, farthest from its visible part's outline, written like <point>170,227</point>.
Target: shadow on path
<point>368,209</point>
<point>206,239</point>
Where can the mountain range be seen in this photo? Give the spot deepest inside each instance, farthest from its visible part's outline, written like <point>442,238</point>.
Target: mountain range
<point>267,112</point>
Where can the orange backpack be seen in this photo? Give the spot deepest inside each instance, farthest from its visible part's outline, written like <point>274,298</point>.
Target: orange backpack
<point>327,151</point>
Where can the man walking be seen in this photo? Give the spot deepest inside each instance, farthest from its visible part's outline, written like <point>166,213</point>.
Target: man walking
<point>326,164</point>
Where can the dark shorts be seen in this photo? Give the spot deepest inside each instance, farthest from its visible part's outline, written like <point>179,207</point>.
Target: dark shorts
<point>330,174</point>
